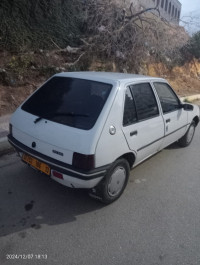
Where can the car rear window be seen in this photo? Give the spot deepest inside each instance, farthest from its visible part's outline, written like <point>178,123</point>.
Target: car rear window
<point>69,101</point>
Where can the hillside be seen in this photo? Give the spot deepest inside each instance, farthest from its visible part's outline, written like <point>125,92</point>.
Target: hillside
<point>40,38</point>
<point>15,88</point>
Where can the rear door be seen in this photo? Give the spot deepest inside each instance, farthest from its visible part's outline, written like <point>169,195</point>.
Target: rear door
<point>143,125</point>
<point>175,117</point>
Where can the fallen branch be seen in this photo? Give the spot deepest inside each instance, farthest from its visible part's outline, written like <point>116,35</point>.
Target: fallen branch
<point>75,62</point>
<point>138,14</point>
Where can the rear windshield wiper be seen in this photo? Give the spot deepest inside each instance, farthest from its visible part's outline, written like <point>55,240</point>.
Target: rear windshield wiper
<point>37,119</point>
<point>50,115</point>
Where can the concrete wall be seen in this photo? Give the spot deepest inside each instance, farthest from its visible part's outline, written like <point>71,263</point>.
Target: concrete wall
<point>169,9</point>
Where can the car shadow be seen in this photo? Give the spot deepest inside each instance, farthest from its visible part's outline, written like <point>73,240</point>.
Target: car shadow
<point>29,199</point>
<point>173,146</point>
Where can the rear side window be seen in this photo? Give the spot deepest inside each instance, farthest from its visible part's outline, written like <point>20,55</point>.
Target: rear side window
<point>70,101</point>
<point>169,101</point>
<point>130,115</point>
<point>146,105</point>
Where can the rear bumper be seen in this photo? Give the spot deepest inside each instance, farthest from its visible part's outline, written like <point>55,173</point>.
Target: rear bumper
<point>71,177</point>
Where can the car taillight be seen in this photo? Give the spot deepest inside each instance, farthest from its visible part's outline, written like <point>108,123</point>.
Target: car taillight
<point>10,129</point>
<point>85,162</point>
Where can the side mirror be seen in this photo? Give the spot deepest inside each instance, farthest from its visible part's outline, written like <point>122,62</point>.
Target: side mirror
<point>187,107</point>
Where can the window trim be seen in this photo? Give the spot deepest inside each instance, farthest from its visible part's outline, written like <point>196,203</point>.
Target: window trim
<point>154,94</point>
<point>174,93</point>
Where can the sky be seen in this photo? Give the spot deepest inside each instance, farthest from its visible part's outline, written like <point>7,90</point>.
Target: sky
<point>189,6</point>
<point>190,15</point>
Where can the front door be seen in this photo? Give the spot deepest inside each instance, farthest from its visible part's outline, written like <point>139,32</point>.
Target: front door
<point>175,117</point>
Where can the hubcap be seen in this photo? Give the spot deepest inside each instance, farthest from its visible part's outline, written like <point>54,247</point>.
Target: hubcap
<point>190,134</point>
<point>117,180</point>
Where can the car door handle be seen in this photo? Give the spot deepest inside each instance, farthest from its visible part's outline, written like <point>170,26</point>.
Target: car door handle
<point>168,120</point>
<point>133,133</point>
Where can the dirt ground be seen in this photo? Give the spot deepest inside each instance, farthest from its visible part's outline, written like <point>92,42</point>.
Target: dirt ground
<point>22,74</point>
<point>185,86</point>
<point>12,97</point>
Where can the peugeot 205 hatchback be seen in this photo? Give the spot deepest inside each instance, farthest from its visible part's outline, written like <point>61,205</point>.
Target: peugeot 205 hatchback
<point>87,129</point>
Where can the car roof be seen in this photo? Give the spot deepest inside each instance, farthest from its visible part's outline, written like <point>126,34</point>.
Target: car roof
<point>108,76</point>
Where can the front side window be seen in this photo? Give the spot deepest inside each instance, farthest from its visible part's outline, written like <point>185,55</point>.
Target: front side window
<point>168,99</point>
<point>69,101</point>
<point>146,105</point>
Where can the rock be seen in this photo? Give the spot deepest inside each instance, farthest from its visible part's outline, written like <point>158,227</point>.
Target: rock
<point>71,49</point>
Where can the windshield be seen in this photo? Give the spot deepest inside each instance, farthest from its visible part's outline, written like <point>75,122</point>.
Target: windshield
<point>70,101</point>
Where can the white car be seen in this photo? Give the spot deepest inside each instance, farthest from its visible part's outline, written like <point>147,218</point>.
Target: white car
<point>87,129</point>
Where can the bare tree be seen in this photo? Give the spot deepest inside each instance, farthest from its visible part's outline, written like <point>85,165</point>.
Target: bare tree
<point>191,22</point>
<point>128,35</point>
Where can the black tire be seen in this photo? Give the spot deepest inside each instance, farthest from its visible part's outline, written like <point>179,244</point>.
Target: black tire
<point>187,138</point>
<point>113,184</point>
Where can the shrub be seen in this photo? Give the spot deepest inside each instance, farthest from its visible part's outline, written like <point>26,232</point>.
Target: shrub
<point>37,24</point>
<point>194,45</point>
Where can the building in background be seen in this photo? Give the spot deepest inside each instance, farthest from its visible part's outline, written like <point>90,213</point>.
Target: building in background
<point>169,9</point>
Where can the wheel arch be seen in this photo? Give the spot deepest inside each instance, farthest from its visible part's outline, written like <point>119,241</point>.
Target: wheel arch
<point>196,120</point>
<point>130,157</point>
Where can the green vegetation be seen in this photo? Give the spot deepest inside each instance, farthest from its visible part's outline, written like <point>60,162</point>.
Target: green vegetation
<point>194,45</point>
<point>35,24</point>
<point>19,64</point>
<point>187,100</point>
<point>103,30</point>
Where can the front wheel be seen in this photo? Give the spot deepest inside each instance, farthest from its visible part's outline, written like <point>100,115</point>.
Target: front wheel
<point>187,138</point>
<point>114,183</point>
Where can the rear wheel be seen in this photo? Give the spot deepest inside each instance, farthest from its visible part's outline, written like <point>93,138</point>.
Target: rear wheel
<point>187,138</point>
<point>114,183</point>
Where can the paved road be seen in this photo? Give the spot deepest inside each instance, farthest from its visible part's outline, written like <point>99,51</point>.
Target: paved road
<point>156,221</point>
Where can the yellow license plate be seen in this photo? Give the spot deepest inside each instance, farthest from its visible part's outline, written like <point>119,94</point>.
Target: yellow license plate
<point>36,164</point>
